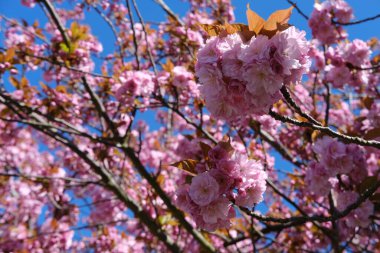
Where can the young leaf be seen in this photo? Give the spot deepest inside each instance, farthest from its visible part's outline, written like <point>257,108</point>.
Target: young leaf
<point>187,165</point>
<point>372,134</point>
<point>11,52</point>
<point>64,47</point>
<point>211,30</point>
<point>224,30</point>
<point>277,21</point>
<point>205,149</point>
<point>234,28</point>
<point>255,22</point>
<point>367,183</point>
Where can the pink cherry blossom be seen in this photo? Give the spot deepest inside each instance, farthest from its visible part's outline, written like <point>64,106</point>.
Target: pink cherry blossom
<point>203,189</point>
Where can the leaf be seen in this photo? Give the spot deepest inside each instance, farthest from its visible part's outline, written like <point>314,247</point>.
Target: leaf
<point>187,165</point>
<point>278,17</point>
<point>367,102</point>
<point>10,54</point>
<point>226,145</point>
<point>64,47</point>
<point>205,149</point>
<point>372,134</point>
<point>234,28</point>
<point>61,88</point>
<point>54,224</point>
<point>277,22</point>
<point>211,30</point>
<point>24,82</point>
<point>367,183</point>
<point>168,66</point>
<point>255,22</point>
<point>161,179</point>
<point>105,231</point>
<point>167,219</point>
<point>14,82</point>
<point>375,197</point>
<point>224,30</point>
<point>43,86</point>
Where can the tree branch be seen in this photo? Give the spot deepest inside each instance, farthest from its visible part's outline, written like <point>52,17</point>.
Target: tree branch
<point>326,130</point>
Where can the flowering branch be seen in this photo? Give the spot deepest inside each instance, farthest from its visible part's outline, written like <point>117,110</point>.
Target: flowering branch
<point>326,130</point>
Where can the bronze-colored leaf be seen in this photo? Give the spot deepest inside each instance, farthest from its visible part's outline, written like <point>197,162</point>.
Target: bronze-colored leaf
<point>255,22</point>
<point>187,165</point>
<point>372,134</point>
<point>223,30</point>
<point>367,102</point>
<point>277,22</point>
<point>205,149</point>
<point>375,197</point>
<point>246,35</point>
<point>61,89</point>
<point>10,54</point>
<point>278,17</point>
<point>14,82</point>
<point>211,30</point>
<point>24,82</point>
<point>168,66</point>
<point>367,183</point>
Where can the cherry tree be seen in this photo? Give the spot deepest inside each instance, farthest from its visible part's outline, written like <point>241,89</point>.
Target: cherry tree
<point>83,170</point>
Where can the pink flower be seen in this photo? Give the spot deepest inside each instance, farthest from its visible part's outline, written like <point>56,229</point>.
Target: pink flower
<point>204,189</point>
<point>209,75</point>
<point>358,217</point>
<point>317,179</point>
<point>210,53</point>
<point>357,52</point>
<point>28,3</point>
<point>225,182</point>
<point>134,83</point>
<point>321,24</point>
<point>184,201</point>
<point>231,64</point>
<point>256,51</point>
<point>333,155</point>
<point>342,11</point>
<point>251,195</point>
<point>339,76</point>
<point>216,210</point>
<point>260,78</point>
<point>239,78</point>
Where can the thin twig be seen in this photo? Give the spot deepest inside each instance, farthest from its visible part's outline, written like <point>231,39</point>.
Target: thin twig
<point>298,9</point>
<point>327,102</point>
<point>168,11</point>
<point>110,24</point>
<point>133,34</point>
<point>358,21</point>
<point>146,37</point>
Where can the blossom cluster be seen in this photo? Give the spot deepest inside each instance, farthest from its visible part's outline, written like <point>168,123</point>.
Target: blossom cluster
<point>133,84</point>
<point>335,158</point>
<point>225,177</point>
<point>344,59</point>
<point>323,16</point>
<point>347,161</point>
<point>241,78</point>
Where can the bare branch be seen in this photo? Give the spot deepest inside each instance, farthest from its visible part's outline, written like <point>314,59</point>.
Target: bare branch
<point>358,21</point>
<point>298,9</point>
<point>168,11</point>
